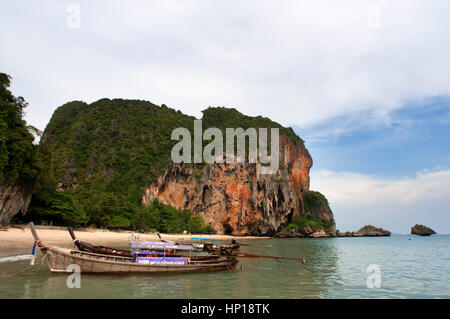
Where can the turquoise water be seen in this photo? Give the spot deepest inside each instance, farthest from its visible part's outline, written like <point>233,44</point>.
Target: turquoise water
<point>409,267</point>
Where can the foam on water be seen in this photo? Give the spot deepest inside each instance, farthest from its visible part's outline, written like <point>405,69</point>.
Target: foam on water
<point>15,258</point>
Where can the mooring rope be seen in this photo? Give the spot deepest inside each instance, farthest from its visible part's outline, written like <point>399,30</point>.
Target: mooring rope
<point>44,246</point>
<point>43,257</point>
<point>49,251</point>
<point>15,273</point>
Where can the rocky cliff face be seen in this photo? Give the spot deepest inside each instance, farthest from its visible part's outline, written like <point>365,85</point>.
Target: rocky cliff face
<point>13,200</point>
<point>234,198</point>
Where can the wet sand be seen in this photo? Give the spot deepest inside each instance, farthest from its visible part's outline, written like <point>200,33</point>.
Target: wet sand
<point>17,241</point>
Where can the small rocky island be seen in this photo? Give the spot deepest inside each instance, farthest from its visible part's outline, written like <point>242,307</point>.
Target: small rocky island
<point>422,230</point>
<point>366,231</point>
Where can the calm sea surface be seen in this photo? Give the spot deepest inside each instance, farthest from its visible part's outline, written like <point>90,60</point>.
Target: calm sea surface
<point>409,267</point>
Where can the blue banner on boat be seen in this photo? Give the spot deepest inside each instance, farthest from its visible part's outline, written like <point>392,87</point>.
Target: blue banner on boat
<point>159,245</point>
<point>147,252</point>
<point>213,239</point>
<point>161,261</point>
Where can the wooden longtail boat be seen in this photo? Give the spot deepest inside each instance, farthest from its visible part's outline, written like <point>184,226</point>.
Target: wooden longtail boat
<point>215,250</point>
<point>59,259</point>
<point>87,247</point>
<point>200,244</point>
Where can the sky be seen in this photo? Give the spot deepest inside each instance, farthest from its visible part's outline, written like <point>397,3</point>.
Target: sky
<point>365,83</point>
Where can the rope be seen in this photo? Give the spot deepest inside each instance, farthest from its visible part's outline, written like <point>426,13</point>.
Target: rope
<point>45,246</point>
<point>14,273</point>
<point>43,257</point>
<point>29,266</point>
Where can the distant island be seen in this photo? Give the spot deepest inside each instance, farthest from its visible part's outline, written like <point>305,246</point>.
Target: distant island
<point>366,231</point>
<point>422,230</point>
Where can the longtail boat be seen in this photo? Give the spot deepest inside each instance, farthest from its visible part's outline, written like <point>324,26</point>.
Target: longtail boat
<point>140,261</point>
<point>87,247</point>
<point>97,249</point>
<point>210,245</point>
<point>214,249</point>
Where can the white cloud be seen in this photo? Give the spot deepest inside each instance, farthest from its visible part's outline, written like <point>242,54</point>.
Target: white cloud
<point>397,204</point>
<point>298,62</point>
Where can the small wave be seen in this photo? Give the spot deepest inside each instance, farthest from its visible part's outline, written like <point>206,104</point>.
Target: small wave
<point>15,258</point>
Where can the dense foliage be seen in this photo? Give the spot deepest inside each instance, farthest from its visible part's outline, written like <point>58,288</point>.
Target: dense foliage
<point>61,209</point>
<point>57,207</point>
<point>223,118</point>
<point>313,201</point>
<point>19,159</point>
<point>300,223</point>
<point>112,146</point>
<point>165,218</point>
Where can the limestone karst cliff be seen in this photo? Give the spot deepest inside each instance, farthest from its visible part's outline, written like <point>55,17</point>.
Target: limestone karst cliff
<point>111,156</point>
<point>234,198</point>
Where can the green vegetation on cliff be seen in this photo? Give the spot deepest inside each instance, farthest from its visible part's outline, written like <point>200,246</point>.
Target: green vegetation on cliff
<point>300,223</point>
<point>315,201</point>
<point>223,118</point>
<point>111,146</point>
<point>16,142</point>
<point>317,216</point>
<point>21,162</point>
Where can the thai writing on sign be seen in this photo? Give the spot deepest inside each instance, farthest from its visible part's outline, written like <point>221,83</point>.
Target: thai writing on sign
<point>161,261</point>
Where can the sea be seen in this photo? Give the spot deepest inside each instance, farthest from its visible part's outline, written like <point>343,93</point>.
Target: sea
<point>400,266</point>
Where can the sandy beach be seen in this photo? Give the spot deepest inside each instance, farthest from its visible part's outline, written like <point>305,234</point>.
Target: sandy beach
<point>16,241</point>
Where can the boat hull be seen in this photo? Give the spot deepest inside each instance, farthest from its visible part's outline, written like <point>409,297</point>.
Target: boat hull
<point>59,260</point>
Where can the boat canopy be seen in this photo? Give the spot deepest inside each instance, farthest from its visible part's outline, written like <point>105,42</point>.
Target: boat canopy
<point>159,245</point>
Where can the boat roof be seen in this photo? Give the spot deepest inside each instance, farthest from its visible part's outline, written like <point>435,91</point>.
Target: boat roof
<point>159,245</point>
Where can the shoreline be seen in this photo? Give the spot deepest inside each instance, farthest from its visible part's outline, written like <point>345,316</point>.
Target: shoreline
<point>16,241</point>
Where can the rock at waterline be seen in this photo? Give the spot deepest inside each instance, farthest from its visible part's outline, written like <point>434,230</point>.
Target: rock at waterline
<point>371,231</point>
<point>422,230</point>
